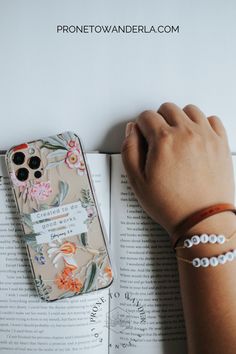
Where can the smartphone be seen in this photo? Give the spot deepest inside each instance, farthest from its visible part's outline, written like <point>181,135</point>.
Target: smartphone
<point>62,226</point>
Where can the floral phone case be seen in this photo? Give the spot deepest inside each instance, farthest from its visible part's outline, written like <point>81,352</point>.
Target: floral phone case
<point>63,229</point>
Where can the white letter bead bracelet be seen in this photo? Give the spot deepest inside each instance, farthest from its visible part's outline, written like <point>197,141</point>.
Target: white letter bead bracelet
<point>208,239</point>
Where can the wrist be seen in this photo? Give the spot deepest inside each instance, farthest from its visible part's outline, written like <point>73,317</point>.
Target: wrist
<point>194,219</point>
<point>223,223</point>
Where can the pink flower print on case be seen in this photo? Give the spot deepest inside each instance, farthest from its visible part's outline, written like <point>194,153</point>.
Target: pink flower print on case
<point>40,190</point>
<point>67,149</point>
<point>74,160</point>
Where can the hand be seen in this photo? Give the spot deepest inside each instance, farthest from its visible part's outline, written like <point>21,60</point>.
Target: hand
<point>177,162</point>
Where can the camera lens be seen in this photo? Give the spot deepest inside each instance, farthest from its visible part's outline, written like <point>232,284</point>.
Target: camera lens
<point>34,162</point>
<point>18,158</point>
<point>22,174</point>
<point>37,174</point>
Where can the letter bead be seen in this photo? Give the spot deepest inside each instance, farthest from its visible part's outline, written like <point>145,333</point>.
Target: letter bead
<point>214,261</point>
<point>221,239</point>
<point>222,259</point>
<point>229,256</point>
<point>196,262</point>
<point>204,238</point>
<point>188,243</point>
<point>205,262</point>
<point>212,238</point>
<point>195,240</point>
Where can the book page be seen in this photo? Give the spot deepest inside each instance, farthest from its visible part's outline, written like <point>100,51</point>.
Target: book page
<point>145,304</point>
<point>27,324</point>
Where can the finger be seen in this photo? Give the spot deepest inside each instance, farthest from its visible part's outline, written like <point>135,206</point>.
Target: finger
<point>195,114</point>
<point>173,114</point>
<point>133,154</point>
<point>151,124</point>
<point>217,126</point>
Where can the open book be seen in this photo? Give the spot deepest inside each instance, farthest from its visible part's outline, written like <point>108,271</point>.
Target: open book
<point>142,309</point>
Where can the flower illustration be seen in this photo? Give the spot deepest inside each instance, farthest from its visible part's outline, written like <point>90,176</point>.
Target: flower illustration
<point>68,248</point>
<point>40,190</point>
<point>63,252</point>
<point>65,280</point>
<point>90,210</point>
<point>74,160</point>
<point>37,190</point>
<point>72,144</point>
<point>108,271</point>
<point>66,147</point>
<point>104,276</point>
<point>40,259</point>
<point>70,264</point>
<point>81,168</point>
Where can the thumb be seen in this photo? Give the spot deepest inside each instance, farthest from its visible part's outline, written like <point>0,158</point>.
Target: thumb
<point>133,153</point>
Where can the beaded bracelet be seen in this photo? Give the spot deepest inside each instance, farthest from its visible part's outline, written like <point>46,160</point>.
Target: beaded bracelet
<point>197,217</point>
<point>212,261</point>
<point>205,238</point>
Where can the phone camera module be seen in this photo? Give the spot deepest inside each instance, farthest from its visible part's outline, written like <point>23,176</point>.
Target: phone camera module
<point>18,158</point>
<point>22,174</point>
<point>37,174</point>
<point>34,162</point>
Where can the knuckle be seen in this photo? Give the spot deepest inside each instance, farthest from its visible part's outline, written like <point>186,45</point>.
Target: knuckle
<point>217,121</point>
<point>216,118</point>
<point>192,136</point>
<point>189,107</point>
<point>162,136</point>
<point>145,115</point>
<point>166,105</point>
<point>165,133</point>
<point>161,141</point>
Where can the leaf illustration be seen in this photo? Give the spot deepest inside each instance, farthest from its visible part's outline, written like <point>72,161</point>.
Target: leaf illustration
<point>30,237</point>
<point>43,207</point>
<point>27,221</point>
<point>30,240</point>
<point>51,147</point>
<point>90,276</point>
<point>55,201</point>
<point>69,136</point>
<point>56,141</point>
<point>54,164</point>
<point>63,188</point>
<point>56,153</point>
<point>43,289</point>
<point>84,239</point>
<point>86,197</point>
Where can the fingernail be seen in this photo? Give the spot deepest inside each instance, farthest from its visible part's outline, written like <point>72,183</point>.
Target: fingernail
<point>128,128</point>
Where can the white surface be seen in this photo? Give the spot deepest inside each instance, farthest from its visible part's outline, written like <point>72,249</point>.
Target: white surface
<point>92,84</point>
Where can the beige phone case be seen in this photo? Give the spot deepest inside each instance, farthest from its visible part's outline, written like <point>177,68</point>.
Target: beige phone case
<point>62,224</point>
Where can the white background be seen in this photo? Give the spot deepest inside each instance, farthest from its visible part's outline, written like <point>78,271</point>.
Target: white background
<point>94,83</point>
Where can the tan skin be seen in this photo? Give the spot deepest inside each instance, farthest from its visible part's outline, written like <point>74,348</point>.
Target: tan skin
<point>178,161</point>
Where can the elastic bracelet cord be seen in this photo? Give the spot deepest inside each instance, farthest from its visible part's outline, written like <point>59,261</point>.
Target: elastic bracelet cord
<point>205,238</point>
<point>197,217</point>
<point>212,261</point>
